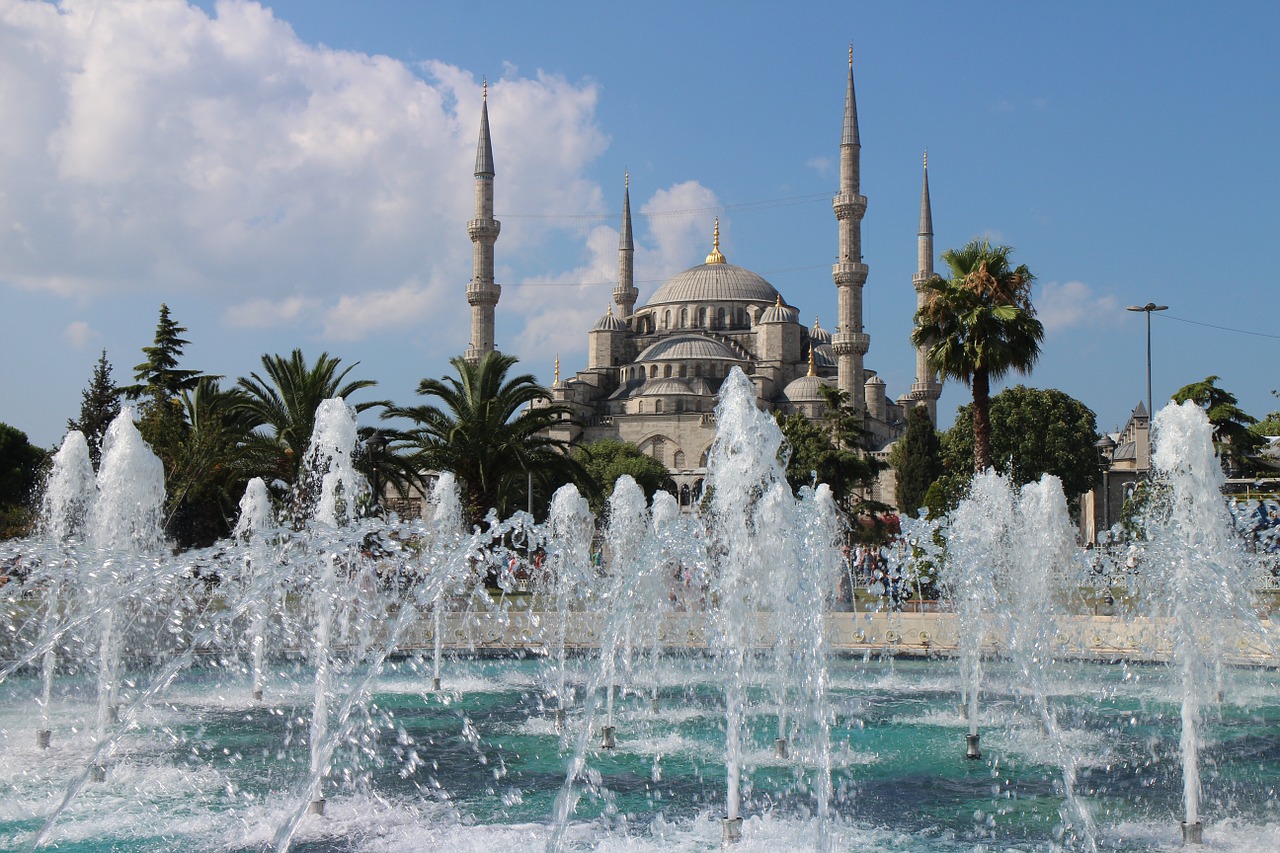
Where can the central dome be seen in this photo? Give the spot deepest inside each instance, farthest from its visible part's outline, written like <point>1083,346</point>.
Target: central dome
<point>715,282</point>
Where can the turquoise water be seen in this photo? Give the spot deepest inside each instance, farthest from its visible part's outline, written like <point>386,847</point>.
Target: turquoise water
<point>479,766</point>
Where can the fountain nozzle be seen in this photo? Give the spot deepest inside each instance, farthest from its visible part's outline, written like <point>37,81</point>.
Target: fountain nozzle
<point>435,684</point>
<point>607,739</point>
<point>1192,833</point>
<point>780,749</point>
<point>42,738</point>
<point>257,695</point>
<point>731,830</point>
<point>971,747</point>
<point>316,807</point>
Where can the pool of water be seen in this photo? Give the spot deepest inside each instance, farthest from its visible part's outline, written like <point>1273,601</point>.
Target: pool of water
<point>480,765</point>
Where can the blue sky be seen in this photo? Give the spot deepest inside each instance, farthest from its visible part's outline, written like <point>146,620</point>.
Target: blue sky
<point>299,175</point>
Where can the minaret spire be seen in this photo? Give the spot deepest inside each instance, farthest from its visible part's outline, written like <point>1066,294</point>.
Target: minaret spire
<point>926,390</point>
<point>482,292</point>
<point>850,273</point>
<point>626,294</point>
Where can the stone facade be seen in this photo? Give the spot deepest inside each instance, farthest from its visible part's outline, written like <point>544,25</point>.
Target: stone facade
<point>654,371</point>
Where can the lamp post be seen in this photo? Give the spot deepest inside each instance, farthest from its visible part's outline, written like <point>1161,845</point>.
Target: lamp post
<point>375,443</point>
<point>1147,309</point>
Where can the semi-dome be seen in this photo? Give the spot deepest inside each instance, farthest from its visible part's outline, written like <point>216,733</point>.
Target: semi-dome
<point>824,356</point>
<point>688,348</point>
<point>715,282</point>
<point>664,387</point>
<point>609,323</point>
<point>779,313</point>
<point>805,389</point>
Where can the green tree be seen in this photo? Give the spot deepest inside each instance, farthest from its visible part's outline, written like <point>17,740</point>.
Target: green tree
<point>1033,432</point>
<point>608,459</point>
<point>829,451</point>
<point>21,464</point>
<point>917,461</point>
<point>978,326</point>
<point>285,403</point>
<point>100,403</point>
<point>159,383</point>
<point>213,466</point>
<point>492,432</point>
<point>1236,445</point>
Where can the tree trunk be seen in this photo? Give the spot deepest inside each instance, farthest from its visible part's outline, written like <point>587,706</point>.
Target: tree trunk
<point>981,421</point>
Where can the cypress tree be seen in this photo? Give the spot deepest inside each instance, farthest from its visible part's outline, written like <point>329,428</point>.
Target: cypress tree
<point>919,463</point>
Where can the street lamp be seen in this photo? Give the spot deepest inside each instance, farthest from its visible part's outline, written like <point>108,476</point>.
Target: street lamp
<point>375,443</point>
<point>1147,309</point>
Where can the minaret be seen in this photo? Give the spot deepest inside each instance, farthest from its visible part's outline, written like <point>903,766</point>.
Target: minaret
<point>850,273</point>
<point>625,294</point>
<point>926,390</point>
<point>482,293</point>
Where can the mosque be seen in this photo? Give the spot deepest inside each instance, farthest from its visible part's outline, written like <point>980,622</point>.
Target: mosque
<point>653,371</point>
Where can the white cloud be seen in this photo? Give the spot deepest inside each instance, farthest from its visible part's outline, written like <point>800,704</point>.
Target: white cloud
<point>560,309</point>
<point>79,334</point>
<point>266,313</point>
<point>358,315</point>
<point>822,165</point>
<point>149,148</point>
<point>680,221</point>
<point>1073,303</point>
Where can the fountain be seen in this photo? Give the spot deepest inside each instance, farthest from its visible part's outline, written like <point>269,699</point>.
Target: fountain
<point>300,663</point>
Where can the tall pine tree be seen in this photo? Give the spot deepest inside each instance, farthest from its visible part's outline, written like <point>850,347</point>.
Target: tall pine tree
<point>100,403</point>
<point>159,385</point>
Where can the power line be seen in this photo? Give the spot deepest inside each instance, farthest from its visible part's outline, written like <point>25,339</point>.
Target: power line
<point>1219,328</point>
<point>763,204</point>
<point>611,283</point>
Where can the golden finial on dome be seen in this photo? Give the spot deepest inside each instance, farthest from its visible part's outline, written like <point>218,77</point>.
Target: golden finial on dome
<point>557,368</point>
<point>850,56</point>
<point>926,158</point>
<point>484,87</point>
<point>815,322</point>
<point>715,257</point>
<point>777,303</point>
<point>610,309</point>
<point>812,371</point>
<point>626,179</point>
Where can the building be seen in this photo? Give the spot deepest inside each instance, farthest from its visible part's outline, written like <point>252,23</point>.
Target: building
<point>653,371</point>
<point>1126,459</point>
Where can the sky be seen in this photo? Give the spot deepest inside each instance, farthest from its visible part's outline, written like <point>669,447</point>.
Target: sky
<point>298,174</point>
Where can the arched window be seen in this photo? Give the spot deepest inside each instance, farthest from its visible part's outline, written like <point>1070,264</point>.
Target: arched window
<point>684,318</point>
<point>697,370</point>
<point>666,319</point>
<point>719,318</point>
<point>666,371</point>
<point>657,407</point>
<point>659,450</point>
<point>653,371</point>
<point>678,460</point>
<point>683,370</point>
<point>684,495</point>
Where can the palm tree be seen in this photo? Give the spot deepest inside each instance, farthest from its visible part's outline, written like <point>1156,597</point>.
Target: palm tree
<point>286,402</point>
<point>978,326</point>
<point>212,465</point>
<point>491,432</point>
